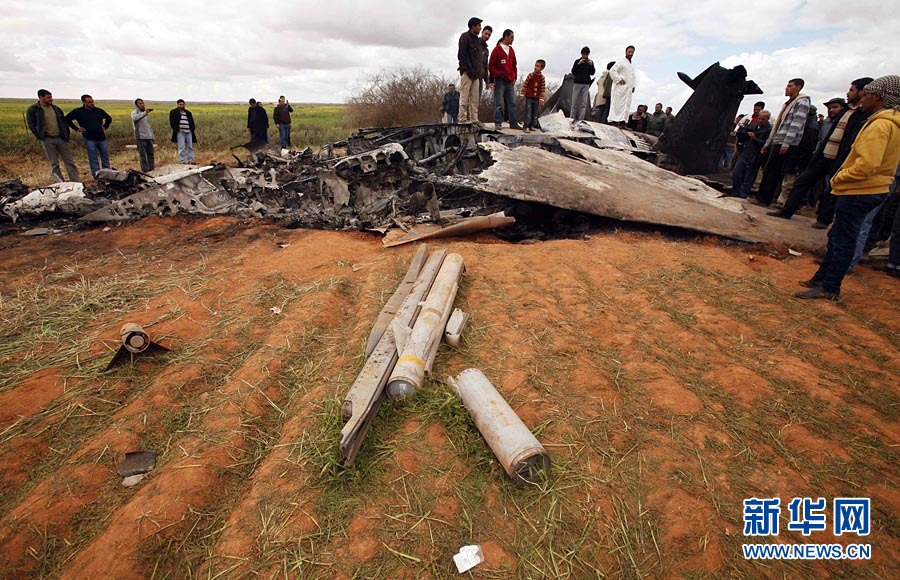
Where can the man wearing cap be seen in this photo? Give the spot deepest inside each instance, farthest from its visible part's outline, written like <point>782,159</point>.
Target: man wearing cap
<point>450,105</point>
<point>819,166</point>
<point>471,71</point>
<point>861,184</point>
<point>582,70</point>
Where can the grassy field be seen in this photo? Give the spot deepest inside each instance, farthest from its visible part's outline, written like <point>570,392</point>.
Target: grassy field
<point>219,128</point>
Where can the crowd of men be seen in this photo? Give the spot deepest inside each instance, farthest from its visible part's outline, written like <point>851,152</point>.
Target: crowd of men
<point>845,165</point>
<point>53,129</point>
<point>481,67</point>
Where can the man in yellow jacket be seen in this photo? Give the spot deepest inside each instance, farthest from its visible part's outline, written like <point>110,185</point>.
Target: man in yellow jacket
<point>861,184</point>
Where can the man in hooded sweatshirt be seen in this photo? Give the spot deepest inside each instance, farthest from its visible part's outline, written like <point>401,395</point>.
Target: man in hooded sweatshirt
<point>861,184</point>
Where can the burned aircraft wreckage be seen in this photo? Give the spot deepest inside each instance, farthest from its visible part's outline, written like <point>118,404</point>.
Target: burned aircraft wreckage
<point>431,180</point>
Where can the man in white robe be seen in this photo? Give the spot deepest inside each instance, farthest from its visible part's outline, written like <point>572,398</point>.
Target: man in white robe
<point>622,74</point>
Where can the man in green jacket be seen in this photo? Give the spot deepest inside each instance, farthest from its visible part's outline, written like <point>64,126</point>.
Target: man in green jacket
<point>51,128</point>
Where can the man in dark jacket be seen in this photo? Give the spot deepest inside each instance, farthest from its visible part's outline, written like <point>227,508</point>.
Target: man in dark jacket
<point>183,132</point>
<point>92,122</point>
<point>257,122</point>
<point>471,71</point>
<point>843,134</point>
<point>282,117</point>
<point>583,70</point>
<point>485,81</point>
<point>450,104</point>
<point>747,166</point>
<point>658,121</point>
<point>51,128</point>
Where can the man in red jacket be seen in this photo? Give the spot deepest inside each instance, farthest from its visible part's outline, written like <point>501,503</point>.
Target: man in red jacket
<point>502,66</point>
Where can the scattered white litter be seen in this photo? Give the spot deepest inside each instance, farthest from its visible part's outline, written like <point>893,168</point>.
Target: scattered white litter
<point>793,252</point>
<point>275,310</point>
<point>467,558</point>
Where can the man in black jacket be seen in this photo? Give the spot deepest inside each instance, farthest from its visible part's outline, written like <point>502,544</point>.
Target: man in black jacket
<point>183,132</point>
<point>257,122</point>
<point>471,70</point>
<point>450,104</point>
<point>51,128</point>
<point>851,122</point>
<point>582,70</point>
<point>747,166</point>
<point>92,122</point>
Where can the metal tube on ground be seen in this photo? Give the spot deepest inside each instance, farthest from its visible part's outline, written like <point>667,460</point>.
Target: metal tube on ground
<point>134,338</point>
<point>409,373</point>
<point>522,456</point>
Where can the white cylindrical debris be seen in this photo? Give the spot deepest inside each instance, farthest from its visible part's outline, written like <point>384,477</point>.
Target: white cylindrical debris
<point>455,327</point>
<point>409,373</point>
<point>134,338</point>
<point>520,453</point>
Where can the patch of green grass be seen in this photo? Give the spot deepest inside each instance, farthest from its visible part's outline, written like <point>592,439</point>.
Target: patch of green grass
<point>220,126</point>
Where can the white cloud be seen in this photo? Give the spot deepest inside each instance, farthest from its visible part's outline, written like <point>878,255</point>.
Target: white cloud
<point>230,50</point>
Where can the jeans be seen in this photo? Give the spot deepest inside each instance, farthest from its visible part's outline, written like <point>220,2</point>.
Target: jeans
<point>504,92</point>
<point>284,133</point>
<point>93,148</point>
<point>145,152</point>
<point>185,148</point>
<point>531,113</point>
<point>727,156</point>
<point>451,118</point>
<point>581,95</point>
<point>864,233</point>
<point>56,147</point>
<point>849,213</point>
<point>743,176</point>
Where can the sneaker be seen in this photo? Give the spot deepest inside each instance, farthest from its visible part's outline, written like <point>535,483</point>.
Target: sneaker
<point>818,293</point>
<point>779,214</point>
<point>810,283</point>
<point>497,126</point>
<point>820,226</point>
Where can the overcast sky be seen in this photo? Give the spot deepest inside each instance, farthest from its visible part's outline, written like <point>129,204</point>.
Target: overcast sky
<point>230,50</point>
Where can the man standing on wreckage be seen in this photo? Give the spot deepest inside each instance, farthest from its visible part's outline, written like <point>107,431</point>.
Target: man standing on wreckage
<point>623,85</point>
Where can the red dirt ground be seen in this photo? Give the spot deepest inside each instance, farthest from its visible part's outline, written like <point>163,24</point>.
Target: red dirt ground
<point>669,380</point>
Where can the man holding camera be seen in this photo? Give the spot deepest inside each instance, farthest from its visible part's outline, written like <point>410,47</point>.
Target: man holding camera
<point>143,134</point>
<point>582,70</point>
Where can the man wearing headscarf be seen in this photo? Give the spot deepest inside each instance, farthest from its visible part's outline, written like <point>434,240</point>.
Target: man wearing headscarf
<point>861,184</point>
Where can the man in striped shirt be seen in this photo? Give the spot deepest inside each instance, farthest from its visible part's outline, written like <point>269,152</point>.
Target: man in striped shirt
<point>182,123</point>
<point>787,132</point>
